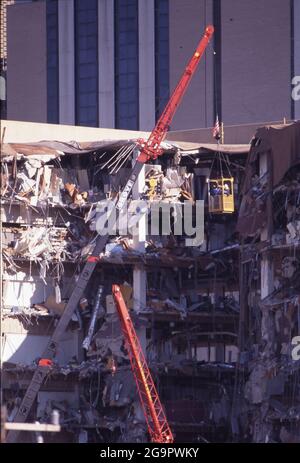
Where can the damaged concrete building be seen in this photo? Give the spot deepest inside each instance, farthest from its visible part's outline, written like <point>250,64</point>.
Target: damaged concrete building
<point>216,320</point>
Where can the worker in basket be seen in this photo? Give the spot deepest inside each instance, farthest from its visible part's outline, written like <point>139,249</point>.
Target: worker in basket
<point>216,189</point>
<point>227,189</point>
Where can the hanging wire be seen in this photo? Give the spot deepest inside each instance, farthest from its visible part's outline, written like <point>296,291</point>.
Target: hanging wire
<point>115,166</point>
<point>113,156</point>
<point>219,156</point>
<point>118,156</point>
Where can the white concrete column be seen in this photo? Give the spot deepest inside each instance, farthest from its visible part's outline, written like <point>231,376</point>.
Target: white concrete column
<point>263,169</point>
<point>146,65</point>
<point>140,237</point>
<point>139,240</point>
<point>106,63</point>
<point>267,266</point>
<point>267,270</point>
<point>66,45</point>
<point>139,287</point>
<point>267,284</point>
<point>297,51</point>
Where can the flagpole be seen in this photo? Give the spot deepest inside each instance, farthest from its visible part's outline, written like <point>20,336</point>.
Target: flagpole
<point>222,133</point>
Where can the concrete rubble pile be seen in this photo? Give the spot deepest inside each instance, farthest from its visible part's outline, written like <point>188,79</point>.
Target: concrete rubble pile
<point>216,320</point>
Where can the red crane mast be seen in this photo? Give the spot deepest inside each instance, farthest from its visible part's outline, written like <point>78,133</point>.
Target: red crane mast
<point>156,419</point>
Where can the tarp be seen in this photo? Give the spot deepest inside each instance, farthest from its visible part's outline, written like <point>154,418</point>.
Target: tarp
<point>212,147</point>
<point>51,149</point>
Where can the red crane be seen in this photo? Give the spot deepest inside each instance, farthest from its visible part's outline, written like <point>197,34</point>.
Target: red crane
<point>156,419</point>
<point>157,423</point>
<point>149,150</point>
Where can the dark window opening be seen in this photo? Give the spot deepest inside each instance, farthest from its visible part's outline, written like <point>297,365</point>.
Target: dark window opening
<point>126,65</point>
<point>86,63</point>
<point>52,62</point>
<point>162,89</point>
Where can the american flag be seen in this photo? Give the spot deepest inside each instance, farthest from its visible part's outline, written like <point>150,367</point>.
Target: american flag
<point>216,129</point>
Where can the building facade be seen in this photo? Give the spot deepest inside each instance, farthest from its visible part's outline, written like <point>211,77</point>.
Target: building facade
<point>218,322</point>
<point>184,304</point>
<point>3,54</point>
<point>113,63</point>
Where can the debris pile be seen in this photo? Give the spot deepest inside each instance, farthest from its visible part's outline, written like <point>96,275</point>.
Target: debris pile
<point>216,320</point>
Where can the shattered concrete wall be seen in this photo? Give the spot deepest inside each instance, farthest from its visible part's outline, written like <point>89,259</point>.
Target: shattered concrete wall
<point>272,389</point>
<point>190,324</point>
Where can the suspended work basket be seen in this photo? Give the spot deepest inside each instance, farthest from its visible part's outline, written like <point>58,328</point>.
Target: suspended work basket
<point>220,188</point>
<point>220,195</point>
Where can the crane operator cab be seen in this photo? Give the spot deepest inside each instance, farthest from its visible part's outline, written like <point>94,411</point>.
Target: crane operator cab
<point>220,186</point>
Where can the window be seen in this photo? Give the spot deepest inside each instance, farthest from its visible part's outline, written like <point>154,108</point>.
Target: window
<point>86,62</point>
<point>126,64</point>
<point>161,55</point>
<point>52,62</point>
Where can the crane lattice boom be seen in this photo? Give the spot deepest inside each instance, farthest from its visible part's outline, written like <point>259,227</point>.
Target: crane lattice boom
<point>156,419</point>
